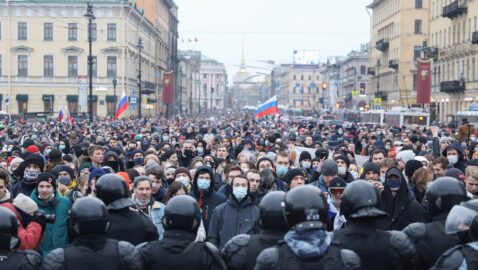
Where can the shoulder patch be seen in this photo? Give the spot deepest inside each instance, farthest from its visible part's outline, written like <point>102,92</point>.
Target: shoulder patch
<point>415,230</point>
<point>268,258</point>
<point>236,243</point>
<point>350,259</point>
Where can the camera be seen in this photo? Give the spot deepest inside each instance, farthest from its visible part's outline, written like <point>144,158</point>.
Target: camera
<point>50,218</point>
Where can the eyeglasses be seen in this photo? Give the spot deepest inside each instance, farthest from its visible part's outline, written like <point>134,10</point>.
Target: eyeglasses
<point>336,191</point>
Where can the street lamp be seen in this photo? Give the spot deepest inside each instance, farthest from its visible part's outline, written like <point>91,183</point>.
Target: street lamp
<point>114,93</point>
<point>323,86</point>
<point>140,48</point>
<point>377,65</point>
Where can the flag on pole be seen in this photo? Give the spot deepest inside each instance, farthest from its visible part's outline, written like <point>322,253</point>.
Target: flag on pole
<point>60,115</point>
<point>70,120</point>
<point>122,105</point>
<point>270,107</point>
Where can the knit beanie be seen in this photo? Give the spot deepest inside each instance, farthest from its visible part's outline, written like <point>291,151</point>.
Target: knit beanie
<point>411,166</point>
<point>371,167</point>
<point>305,155</point>
<point>329,168</point>
<point>47,177</point>
<point>405,155</point>
<point>25,203</point>
<point>14,161</point>
<point>34,159</point>
<point>456,173</point>
<point>63,168</point>
<point>293,173</point>
<point>344,158</point>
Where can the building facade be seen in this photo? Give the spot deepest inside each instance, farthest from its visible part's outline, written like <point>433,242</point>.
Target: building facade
<point>398,30</point>
<point>189,70</point>
<point>44,53</point>
<point>453,48</point>
<point>212,93</point>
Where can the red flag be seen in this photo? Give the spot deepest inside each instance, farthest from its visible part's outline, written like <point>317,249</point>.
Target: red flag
<point>168,88</point>
<point>423,83</point>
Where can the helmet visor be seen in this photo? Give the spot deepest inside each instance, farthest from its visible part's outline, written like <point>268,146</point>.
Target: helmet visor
<point>459,219</point>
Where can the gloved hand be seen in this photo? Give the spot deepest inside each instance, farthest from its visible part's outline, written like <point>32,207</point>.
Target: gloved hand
<point>39,218</point>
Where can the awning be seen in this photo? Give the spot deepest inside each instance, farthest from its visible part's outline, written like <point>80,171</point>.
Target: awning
<point>111,98</point>
<point>48,98</point>
<point>94,98</point>
<point>23,98</point>
<point>72,98</point>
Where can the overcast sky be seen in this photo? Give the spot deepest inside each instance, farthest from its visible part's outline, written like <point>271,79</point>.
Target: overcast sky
<point>271,29</point>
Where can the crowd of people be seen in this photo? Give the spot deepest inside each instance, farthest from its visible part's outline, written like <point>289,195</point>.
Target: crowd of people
<point>229,191</point>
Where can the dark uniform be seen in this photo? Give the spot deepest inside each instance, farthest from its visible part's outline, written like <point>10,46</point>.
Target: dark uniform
<point>430,238</point>
<point>306,244</point>
<point>91,249</point>
<point>177,250</point>
<point>9,258</point>
<point>127,222</point>
<point>462,220</point>
<point>377,249</point>
<point>242,250</point>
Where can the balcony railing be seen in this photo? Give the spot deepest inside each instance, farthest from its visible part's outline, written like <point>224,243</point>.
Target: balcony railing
<point>382,44</point>
<point>474,38</point>
<point>455,9</point>
<point>452,87</point>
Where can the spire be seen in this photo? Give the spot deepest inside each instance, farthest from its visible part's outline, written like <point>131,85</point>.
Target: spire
<point>243,59</point>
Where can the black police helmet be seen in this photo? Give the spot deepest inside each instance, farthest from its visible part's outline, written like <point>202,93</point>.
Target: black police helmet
<point>360,199</point>
<point>8,230</point>
<point>182,212</point>
<point>305,204</point>
<point>271,210</point>
<point>111,187</point>
<point>443,193</point>
<point>89,216</point>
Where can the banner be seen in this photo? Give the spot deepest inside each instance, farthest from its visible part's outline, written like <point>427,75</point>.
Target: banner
<point>423,83</point>
<point>377,103</point>
<point>168,88</point>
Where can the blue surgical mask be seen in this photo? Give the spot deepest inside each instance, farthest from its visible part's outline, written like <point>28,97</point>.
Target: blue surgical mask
<point>200,150</point>
<point>281,170</point>
<point>394,184</point>
<point>61,146</point>
<point>204,184</point>
<point>239,192</point>
<point>47,151</point>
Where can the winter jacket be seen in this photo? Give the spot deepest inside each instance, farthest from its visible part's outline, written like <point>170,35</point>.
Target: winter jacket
<point>31,235</point>
<point>232,218</point>
<point>461,164</point>
<point>207,200</point>
<point>156,213</point>
<point>23,186</point>
<point>320,184</point>
<point>56,234</point>
<point>402,209</point>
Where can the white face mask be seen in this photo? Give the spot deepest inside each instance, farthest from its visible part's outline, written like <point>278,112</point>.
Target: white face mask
<point>342,171</point>
<point>452,159</point>
<point>183,180</point>
<point>306,164</point>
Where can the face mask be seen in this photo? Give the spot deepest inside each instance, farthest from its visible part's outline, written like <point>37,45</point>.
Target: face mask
<point>188,153</point>
<point>239,192</point>
<point>394,184</point>
<point>204,184</point>
<point>387,147</point>
<point>113,164</point>
<point>354,174</point>
<point>31,175</point>
<point>138,161</point>
<point>47,151</point>
<point>281,170</point>
<point>10,149</point>
<point>65,180</point>
<point>306,164</point>
<point>165,138</point>
<point>452,159</point>
<point>382,178</point>
<point>61,146</point>
<point>200,150</point>
<point>379,133</point>
<point>267,143</point>
<point>183,180</point>
<point>342,171</point>
<point>141,202</point>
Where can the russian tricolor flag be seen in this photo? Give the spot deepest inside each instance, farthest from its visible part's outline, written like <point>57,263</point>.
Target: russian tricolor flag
<point>268,107</point>
<point>60,115</point>
<point>122,105</point>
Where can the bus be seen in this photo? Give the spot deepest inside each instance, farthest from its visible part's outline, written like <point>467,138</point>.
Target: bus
<point>372,117</point>
<point>399,117</point>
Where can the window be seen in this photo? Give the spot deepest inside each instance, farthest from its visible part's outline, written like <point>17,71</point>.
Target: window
<point>72,66</point>
<point>310,77</point>
<point>293,77</point>
<point>111,67</point>
<point>72,31</point>
<point>112,32</point>
<point>363,70</point>
<point>48,65</point>
<point>48,31</point>
<point>417,50</point>
<point>73,107</point>
<point>204,76</point>
<point>93,31</point>
<point>418,26</point>
<point>415,82</point>
<point>48,103</point>
<point>22,31</point>
<point>301,77</point>
<point>418,4</point>
<point>362,88</point>
<point>22,66</point>
<point>293,90</point>
<point>22,106</point>
<point>95,67</point>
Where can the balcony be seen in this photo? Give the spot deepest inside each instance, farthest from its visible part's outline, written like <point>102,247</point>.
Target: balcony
<point>371,71</point>
<point>452,87</point>
<point>382,44</point>
<point>393,64</point>
<point>381,94</point>
<point>474,38</point>
<point>455,9</point>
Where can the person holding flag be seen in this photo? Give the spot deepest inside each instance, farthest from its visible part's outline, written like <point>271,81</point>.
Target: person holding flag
<point>270,107</point>
<point>122,105</point>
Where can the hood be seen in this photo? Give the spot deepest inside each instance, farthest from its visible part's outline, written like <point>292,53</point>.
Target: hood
<point>458,148</point>
<point>390,203</point>
<point>111,153</point>
<point>308,244</point>
<point>199,170</point>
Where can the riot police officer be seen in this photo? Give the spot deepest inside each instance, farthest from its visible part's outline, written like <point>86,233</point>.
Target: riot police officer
<point>242,250</point>
<point>127,222</point>
<point>90,248</point>
<point>306,244</point>
<point>462,221</point>
<point>378,249</point>
<point>177,250</point>
<point>430,238</point>
<point>10,258</point>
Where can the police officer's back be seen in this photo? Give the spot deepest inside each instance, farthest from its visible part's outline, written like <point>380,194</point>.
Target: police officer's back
<point>91,249</point>
<point>10,258</point>
<point>377,249</point>
<point>430,238</point>
<point>242,250</point>
<point>177,250</point>
<point>128,223</point>
<point>306,244</point>
<point>463,222</point>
